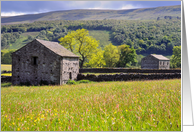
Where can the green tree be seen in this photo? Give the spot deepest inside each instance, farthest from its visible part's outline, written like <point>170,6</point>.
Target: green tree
<point>80,43</point>
<point>97,59</point>
<point>175,60</point>
<point>6,56</point>
<point>111,55</point>
<point>126,55</point>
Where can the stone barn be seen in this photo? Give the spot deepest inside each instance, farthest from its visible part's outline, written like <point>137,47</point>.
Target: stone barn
<point>153,61</point>
<point>43,61</point>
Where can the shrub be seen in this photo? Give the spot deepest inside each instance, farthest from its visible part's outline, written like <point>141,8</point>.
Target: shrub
<point>71,82</point>
<point>84,81</point>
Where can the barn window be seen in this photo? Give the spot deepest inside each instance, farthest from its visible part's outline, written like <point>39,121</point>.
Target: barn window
<point>35,60</point>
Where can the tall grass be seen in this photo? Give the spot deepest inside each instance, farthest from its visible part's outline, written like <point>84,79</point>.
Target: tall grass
<point>107,106</point>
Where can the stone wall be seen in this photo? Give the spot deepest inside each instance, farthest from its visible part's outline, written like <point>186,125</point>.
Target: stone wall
<point>34,63</point>
<point>164,64</point>
<point>70,69</point>
<point>125,70</point>
<point>127,77</point>
<point>149,62</point>
<point>5,79</point>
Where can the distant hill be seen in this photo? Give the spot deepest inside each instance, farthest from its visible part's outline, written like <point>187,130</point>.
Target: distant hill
<point>91,14</point>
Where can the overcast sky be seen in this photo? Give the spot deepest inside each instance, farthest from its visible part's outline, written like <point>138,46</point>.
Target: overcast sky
<point>12,8</point>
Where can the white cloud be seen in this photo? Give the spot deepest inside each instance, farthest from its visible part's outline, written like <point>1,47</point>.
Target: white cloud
<point>129,7</point>
<point>17,13</point>
<point>11,14</point>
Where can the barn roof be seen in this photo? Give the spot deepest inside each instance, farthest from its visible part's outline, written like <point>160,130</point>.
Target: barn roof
<point>159,57</point>
<point>57,48</point>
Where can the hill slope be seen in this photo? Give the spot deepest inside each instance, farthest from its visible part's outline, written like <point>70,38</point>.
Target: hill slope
<point>132,14</point>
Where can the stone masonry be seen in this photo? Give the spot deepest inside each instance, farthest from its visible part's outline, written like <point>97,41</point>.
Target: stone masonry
<point>153,61</point>
<point>43,61</point>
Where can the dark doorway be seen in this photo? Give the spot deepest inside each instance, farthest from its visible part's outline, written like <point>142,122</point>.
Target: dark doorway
<point>70,76</point>
<point>35,60</point>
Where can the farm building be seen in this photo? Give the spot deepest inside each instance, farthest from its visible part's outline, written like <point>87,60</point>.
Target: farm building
<point>153,61</point>
<point>43,61</point>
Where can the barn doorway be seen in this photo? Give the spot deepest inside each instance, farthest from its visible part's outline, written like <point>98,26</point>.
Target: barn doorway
<point>70,76</point>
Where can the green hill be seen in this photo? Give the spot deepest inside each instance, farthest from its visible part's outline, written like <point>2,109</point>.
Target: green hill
<point>88,14</point>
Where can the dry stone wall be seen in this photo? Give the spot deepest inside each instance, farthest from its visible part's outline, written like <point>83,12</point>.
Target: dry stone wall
<point>127,77</point>
<point>125,70</point>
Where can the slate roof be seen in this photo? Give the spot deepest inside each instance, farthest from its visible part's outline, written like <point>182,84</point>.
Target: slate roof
<point>57,48</point>
<point>159,57</point>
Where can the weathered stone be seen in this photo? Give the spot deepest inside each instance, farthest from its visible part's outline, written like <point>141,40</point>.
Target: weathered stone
<point>155,62</point>
<point>43,61</point>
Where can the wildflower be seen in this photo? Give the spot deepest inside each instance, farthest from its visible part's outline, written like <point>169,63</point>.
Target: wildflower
<point>115,112</point>
<point>42,116</point>
<point>13,123</point>
<point>126,110</point>
<point>18,129</point>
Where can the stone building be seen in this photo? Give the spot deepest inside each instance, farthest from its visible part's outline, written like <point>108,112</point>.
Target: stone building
<point>153,61</point>
<point>44,61</point>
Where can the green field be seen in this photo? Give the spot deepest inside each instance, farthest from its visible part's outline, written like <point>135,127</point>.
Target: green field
<point>23,40</point>
<point>6,67</point>
<point>102,35</point>
<point>108,106</point>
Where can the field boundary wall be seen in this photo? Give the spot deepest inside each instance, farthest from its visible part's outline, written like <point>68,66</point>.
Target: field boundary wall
<point>126,70</point>
<point>128,77</point>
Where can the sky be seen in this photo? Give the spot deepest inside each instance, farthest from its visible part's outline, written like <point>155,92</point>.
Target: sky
<point>13,8</point>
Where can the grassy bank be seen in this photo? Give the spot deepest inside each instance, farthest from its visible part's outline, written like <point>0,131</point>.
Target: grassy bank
<point>107,106</point>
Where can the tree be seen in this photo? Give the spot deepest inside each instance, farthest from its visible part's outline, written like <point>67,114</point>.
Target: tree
<point>111,55</point>
<point>97,59</point>
<point>126,55</point>
<point>175,60</point>
<point>80,43</point>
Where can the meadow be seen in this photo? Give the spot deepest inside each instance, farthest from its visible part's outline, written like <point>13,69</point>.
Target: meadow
<point>6,67</point>
<point>122,106</point>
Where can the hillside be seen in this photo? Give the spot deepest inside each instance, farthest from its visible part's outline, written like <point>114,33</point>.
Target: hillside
<point>88,14</point>
<point>146,36</point>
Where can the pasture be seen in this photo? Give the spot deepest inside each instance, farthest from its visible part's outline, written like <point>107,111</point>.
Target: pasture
<point>105,106</point>
<point>6,67</point>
